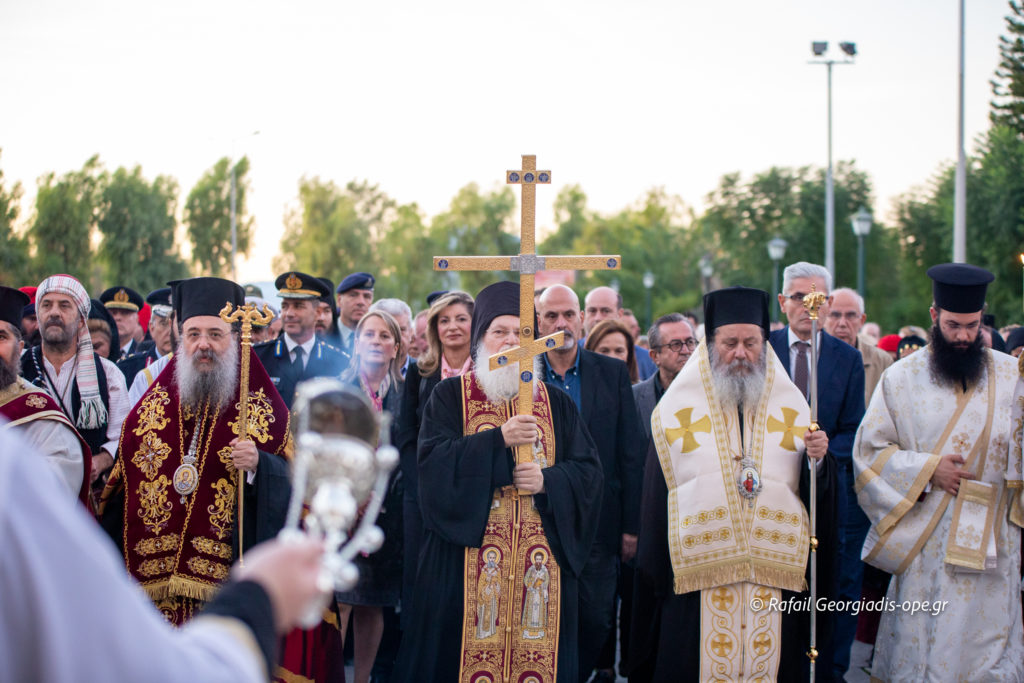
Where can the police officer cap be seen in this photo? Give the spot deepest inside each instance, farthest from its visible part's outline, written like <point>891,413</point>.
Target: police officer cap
<point>356,281</point>
<point>959,287</point>
<point>123,298</point>
<point>296,285</point>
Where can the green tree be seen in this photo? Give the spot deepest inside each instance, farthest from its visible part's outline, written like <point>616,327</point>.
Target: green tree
<point>405,258</point>
<point>138,224</point>
<point>334,231</point>
<point>1008,84</point>
<point>66,212</point>
<point>208,216</point>
<point>14,259</point>
<point>476,224</point>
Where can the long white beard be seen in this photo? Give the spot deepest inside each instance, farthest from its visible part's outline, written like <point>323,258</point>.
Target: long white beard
<point>216,384</point>
<point>502,384</point>
<point>733,386</point>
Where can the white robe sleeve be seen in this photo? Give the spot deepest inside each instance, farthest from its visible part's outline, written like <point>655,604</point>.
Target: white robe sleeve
<point>61,448</point>
<point>69,612</point>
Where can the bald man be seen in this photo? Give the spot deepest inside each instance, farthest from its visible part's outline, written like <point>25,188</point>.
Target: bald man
<point>604,303</point>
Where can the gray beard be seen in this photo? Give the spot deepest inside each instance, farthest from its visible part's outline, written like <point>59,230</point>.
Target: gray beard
<point>734,388</point>
<point>216,385</point>
<point>502,384</point>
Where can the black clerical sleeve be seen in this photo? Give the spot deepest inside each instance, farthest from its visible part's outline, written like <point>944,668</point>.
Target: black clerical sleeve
<point>266,500</point>
<point>458,474</point>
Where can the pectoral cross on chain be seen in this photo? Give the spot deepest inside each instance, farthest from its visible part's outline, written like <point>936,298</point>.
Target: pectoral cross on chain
<point>527,263</point>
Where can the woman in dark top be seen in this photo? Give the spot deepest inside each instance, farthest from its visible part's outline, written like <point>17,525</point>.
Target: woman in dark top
<point>447,355</point>
<point>378,343</point>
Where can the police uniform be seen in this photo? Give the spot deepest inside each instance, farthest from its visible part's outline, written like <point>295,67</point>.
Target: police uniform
<point>125,299</point>
<point>131,365</point>
<point>324,360</point>
<point>346,339</point>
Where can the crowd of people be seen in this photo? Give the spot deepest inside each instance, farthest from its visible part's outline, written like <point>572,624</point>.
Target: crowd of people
<point>649,517</point>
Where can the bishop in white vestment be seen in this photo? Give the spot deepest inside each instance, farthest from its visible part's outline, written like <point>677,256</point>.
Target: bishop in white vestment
<point>725,531</point>
<point>935,460</point>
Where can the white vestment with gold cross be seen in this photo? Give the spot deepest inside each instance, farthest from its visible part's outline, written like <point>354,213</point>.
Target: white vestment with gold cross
<point>959,554</point>
<point>738,551</point>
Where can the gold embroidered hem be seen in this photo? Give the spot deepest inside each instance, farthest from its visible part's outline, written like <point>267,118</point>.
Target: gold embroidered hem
<point>739,635</point>
<point>511,583</point>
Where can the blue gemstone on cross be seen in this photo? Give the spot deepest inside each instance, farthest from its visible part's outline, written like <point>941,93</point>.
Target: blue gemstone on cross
<point>550,343</point>
<point>502,360</point>
<point>611,263</point>
<point>513,177</point>
<point>543,177</point>
<point>528,177</point>
<point>526,376</point>
<point>443,264</point>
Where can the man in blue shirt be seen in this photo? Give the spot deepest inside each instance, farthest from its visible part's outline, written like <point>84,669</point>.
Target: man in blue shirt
<point>600,388</point>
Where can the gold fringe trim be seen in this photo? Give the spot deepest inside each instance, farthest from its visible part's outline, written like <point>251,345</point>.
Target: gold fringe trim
<point>331,618</point>
<point>180,586</point>
<point>723,575</point>
<point>283,674</point>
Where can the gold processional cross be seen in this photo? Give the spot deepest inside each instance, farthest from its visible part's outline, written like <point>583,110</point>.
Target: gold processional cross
<point>246,315</point>
<point>527,263</point>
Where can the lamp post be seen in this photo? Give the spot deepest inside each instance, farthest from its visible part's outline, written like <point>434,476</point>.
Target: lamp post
<point>648,284</point>
<point>819,48</point>
<point>776,252</point>
<point>707,269</point>
<point>861,222</point>
<point>234,199</point>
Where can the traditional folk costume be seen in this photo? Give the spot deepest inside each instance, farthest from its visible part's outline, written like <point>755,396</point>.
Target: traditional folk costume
<point>725,529</point>
<point>39,419</point>
<point>962,551</point>
<point>178,502</point>
<point>466,627</point>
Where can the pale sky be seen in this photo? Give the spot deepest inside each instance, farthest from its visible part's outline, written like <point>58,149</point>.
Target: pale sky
<point>424,97</point>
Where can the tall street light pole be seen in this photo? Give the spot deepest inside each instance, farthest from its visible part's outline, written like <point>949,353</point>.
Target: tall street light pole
<point>776,252</point>
<point>861,223</point>
<point>819,48</point>
<point>960,180</point>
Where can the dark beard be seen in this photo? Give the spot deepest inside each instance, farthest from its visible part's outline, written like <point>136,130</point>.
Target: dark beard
<point>8,374</point>
<point>956,367</point>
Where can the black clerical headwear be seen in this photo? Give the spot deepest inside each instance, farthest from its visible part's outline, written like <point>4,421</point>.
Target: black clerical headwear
<point>204,296</point>
<point>328,298</point>
<point>959,287</point>
<point>734,305</point>
<point>124,298</point>
<point>501,298</point>
<point>12,305</point>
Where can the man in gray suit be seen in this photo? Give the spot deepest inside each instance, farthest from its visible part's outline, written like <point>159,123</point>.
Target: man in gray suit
<point>672,341</point>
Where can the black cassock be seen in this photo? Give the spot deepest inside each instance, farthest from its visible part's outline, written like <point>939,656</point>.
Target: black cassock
<point>665,633</point>
<point>458,476</point>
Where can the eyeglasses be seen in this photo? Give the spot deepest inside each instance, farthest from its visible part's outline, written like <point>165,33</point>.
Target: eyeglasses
<point>677,345</point>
